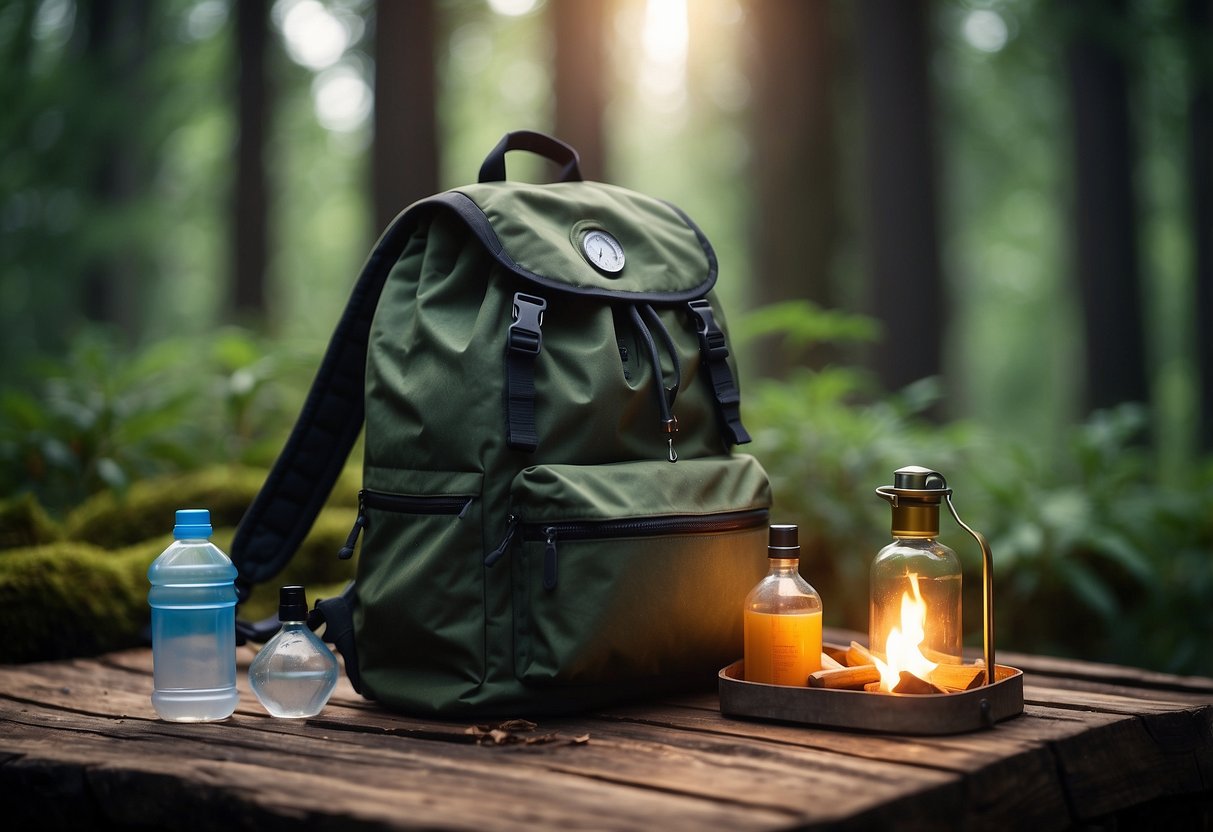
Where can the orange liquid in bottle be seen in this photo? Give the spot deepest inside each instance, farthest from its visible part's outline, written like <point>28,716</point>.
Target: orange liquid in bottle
<point>782,649</point>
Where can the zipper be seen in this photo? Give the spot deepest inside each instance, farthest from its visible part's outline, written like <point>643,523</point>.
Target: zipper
<point>415,504</point>
<point>552,533</point>
<point>453,504</point>
<point>511,530</point>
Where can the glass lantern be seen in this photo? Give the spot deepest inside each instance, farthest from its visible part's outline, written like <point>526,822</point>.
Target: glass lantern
<point>915,589</point>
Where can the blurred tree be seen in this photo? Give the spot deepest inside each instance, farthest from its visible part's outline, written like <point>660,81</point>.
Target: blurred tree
<point>902,241</point>
<point>793,159</point>
<point>1199,14</point>
<point>250,219</point>
<point>404,153</point>
<point>113,40</point>
<point>1099,41</point>
<point>580,80</point>
<point>29,133</point>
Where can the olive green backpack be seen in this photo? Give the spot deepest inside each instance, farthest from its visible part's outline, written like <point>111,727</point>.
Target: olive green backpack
<point>551,516</point>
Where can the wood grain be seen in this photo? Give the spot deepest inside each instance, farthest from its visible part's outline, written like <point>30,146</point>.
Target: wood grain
<point>81,747</point>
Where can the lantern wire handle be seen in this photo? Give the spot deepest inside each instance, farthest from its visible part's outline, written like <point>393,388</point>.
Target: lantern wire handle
<point>987,581</point>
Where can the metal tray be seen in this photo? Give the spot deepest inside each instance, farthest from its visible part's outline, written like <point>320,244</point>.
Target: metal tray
<point>896,713</point>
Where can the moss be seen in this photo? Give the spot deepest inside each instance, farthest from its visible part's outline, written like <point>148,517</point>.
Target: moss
<point>88,594</point>
<point>70,599</point>
<point>24,522</point>
<point>147,509</point>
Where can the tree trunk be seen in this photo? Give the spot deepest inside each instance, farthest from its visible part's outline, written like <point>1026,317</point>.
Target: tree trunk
<point>115,47</point>
<point>581,80</point>
<point>404,155</point>
<point>1200,142</point>
<point>1105,224</point>
<point>793,160</point>
<point>250,230</point>
<point>907,293</point>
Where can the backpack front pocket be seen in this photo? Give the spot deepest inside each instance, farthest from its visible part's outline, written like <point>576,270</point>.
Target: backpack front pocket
<point>419,613</point>
<point>634,570</point>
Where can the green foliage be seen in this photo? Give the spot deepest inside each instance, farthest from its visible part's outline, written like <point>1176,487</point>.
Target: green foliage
<point>802,323</point>
<point>101,418</point>
<point>1095,555</point>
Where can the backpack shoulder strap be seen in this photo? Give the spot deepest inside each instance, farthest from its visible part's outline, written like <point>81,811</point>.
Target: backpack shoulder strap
<point>327,428</point>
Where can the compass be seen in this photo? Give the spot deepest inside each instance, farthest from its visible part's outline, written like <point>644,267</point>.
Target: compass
<point>603,251</point>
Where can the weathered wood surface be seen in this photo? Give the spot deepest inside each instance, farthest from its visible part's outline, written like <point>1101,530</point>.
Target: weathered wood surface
<point>81,748</point>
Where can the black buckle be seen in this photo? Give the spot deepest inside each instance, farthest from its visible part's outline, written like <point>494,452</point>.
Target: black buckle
<point>711,339</point>
<point>525,333</point>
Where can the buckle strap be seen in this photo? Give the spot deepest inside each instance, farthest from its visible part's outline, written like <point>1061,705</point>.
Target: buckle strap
<point>337,615</point>
<point>715,351</point>
<point>524,342</point>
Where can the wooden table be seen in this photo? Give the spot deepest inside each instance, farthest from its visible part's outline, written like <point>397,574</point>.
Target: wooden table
<point>81,748</point>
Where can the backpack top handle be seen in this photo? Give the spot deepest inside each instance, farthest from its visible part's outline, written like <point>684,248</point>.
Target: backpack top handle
<point>493,169</point>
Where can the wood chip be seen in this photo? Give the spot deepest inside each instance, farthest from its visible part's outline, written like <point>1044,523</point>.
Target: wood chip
<point>858,655</point>
<point>909,683</point>
<point>847,678</point>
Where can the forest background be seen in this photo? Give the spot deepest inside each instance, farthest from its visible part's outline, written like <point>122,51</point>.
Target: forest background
<point>975,235</point>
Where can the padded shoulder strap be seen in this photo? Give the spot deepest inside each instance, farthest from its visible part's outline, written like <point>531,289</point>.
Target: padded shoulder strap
<point>328,426</point>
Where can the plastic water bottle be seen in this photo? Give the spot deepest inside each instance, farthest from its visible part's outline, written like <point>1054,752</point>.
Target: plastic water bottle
<point>193,600</point>
<point>294,674</point>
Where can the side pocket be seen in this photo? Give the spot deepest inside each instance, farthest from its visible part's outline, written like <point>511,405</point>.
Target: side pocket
<point>635,570</point>
<point>419,615</point>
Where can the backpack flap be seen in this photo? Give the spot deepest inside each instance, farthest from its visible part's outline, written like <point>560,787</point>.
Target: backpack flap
<point>598,242</point>
<point>593,239</point>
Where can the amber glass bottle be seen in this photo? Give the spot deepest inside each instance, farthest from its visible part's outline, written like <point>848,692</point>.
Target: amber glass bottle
<point>782,618</point>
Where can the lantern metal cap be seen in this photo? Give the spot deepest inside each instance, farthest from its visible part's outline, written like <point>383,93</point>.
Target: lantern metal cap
<point>917,478</point>
<point>915,495</point>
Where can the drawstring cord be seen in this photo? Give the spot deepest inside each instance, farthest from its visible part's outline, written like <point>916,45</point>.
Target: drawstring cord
<point>665,395</point>
<point>652,319</point>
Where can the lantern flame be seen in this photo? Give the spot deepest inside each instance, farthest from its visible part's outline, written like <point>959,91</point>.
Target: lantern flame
<point>902,649</point>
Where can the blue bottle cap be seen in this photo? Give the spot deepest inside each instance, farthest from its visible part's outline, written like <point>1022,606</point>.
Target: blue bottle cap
<point>192,523</point>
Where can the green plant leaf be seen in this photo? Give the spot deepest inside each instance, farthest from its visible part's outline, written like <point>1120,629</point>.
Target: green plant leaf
<point>1089,588</point>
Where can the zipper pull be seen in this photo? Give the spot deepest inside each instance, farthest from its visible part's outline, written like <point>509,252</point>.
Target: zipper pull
<point>510,530</point>
<point>347,551</point>
<point>549,558</point>
<point>670,427</point>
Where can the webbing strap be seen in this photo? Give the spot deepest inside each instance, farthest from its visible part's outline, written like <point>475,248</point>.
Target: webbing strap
<point>328,426</point>
<point>715,352</point>
<point>523,345</point>
<point>338,617</point>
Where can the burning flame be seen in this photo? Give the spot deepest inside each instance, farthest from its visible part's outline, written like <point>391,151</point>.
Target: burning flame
<point>902,648</point>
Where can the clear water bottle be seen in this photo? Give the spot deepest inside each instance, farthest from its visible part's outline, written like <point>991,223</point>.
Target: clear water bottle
<point>193,601</point>
<point>294,674</point>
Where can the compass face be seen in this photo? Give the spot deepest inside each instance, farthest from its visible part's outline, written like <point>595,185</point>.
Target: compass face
<point>603,251</point>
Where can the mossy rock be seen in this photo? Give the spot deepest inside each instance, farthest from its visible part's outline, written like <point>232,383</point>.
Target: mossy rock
<point>69,599</point>
<point>88,594</point>
<point>24,522</point>
<point>147,510</point>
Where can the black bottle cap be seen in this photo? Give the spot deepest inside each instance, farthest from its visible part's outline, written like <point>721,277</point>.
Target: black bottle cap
<point>784,542</point>
<point>292,604</point>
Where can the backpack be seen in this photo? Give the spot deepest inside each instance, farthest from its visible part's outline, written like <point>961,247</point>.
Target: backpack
<point>551,517</point>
